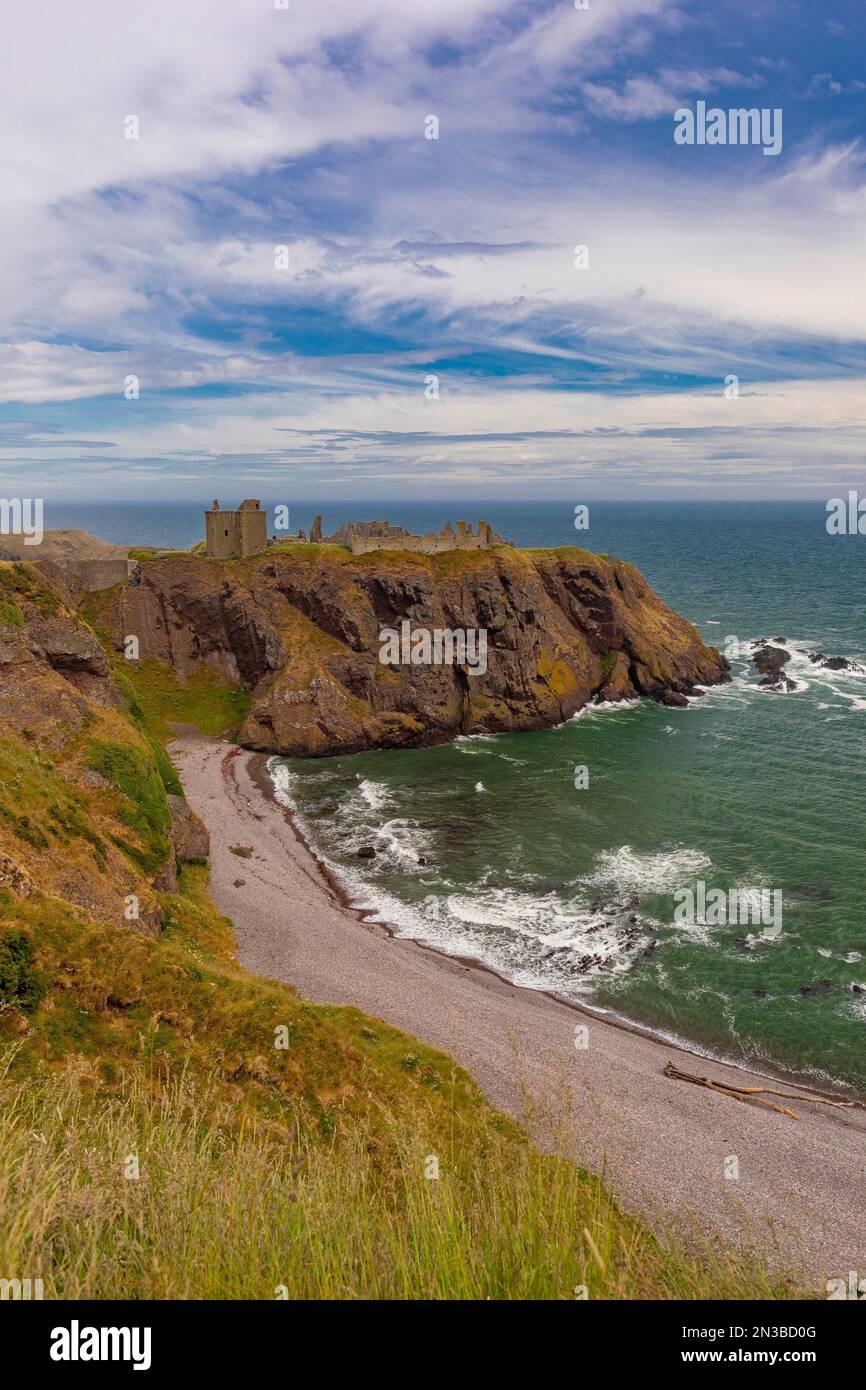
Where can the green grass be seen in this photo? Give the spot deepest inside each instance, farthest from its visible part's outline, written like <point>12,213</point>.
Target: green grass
<point>10,613</point>
<point>19,582</point>
<point>213,705</point>
<point>306,1168</point>
<point>156,1194</point>
<point>34,801</point>
<point>20,985</point>
<point>261,1168</point>
<point>142,776</point>
<point>306,550</point>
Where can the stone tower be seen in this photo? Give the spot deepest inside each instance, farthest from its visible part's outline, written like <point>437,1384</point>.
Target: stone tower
<point>231,535</point>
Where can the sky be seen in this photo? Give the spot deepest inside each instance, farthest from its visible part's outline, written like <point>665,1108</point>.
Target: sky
<point>233,261</point>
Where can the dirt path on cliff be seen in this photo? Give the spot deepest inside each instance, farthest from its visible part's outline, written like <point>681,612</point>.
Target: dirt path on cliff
<point>662,1144</point>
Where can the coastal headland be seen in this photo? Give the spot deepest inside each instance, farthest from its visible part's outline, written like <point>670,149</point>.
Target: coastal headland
<point>299,628</point>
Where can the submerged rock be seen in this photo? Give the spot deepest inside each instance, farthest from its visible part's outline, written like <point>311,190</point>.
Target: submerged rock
<point>834,663</point>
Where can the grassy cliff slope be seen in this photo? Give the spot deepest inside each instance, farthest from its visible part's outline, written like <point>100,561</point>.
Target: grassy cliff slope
<point>172,1127</point>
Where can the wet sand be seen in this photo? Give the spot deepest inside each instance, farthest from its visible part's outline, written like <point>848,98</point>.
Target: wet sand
<point>663,1145</point>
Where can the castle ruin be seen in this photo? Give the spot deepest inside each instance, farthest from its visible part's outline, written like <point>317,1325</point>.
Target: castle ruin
<point>363,536</point>
<point>231,535</point>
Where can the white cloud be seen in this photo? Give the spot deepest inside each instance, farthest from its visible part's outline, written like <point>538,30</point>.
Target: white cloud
<point>799,438</point>
<point>824,84</point>
<point>644,98</point>
<point>129,244</point>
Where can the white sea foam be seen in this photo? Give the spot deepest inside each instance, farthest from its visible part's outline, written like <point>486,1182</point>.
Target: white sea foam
<point>603,707</point>
<point>375,795</point>
<point>858,1005</point>
<point>399,841</point>
<point>535,938</point>
<point>283,782</point>
<point>542,939</point>
<point>402,841</point>
<point>736,691</point>
<point>661,872</point>
<point>538,939</point>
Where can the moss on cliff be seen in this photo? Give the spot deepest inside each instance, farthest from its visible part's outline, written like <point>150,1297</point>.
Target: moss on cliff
<point>134,772</point>
<point>162,698</point>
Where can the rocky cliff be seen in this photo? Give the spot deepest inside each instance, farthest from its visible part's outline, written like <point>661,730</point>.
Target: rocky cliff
<point>90,808</point>
<point>300,629</point>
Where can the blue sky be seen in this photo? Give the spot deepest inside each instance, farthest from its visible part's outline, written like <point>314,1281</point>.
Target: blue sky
<point>411,258</point>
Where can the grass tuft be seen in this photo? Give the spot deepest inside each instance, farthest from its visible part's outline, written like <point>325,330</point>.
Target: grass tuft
<point>163,1194</point>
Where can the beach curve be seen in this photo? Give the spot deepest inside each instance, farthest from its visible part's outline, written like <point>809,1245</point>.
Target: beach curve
<point>663,1147</point>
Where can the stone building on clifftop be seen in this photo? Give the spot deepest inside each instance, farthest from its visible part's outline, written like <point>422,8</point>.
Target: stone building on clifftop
<point>231,535</point>
<point>363,536</point>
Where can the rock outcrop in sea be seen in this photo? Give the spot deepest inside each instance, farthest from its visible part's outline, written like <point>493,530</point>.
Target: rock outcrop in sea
<point>770,662</point>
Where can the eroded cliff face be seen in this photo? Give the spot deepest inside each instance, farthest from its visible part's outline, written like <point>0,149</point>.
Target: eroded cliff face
<point>86,818</point>
<point>301,628</point>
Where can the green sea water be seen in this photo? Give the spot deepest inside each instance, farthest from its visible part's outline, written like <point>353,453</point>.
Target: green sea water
<point>487,847</point>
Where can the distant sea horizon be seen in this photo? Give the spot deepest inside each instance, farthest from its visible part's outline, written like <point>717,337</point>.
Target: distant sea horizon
<point>180,524</point>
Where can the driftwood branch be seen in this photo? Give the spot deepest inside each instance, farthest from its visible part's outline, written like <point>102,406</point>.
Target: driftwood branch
<point>756,1093</point>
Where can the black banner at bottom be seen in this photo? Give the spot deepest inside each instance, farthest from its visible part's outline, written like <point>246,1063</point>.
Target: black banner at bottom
<point>84,1339</point>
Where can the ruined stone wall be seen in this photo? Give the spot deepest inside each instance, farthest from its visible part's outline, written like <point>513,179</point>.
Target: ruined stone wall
<point>362,537</point>
<point>429,544</point>
<point>94,575</point>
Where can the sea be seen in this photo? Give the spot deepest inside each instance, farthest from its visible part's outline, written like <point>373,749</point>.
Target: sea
<point>561,858</point>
